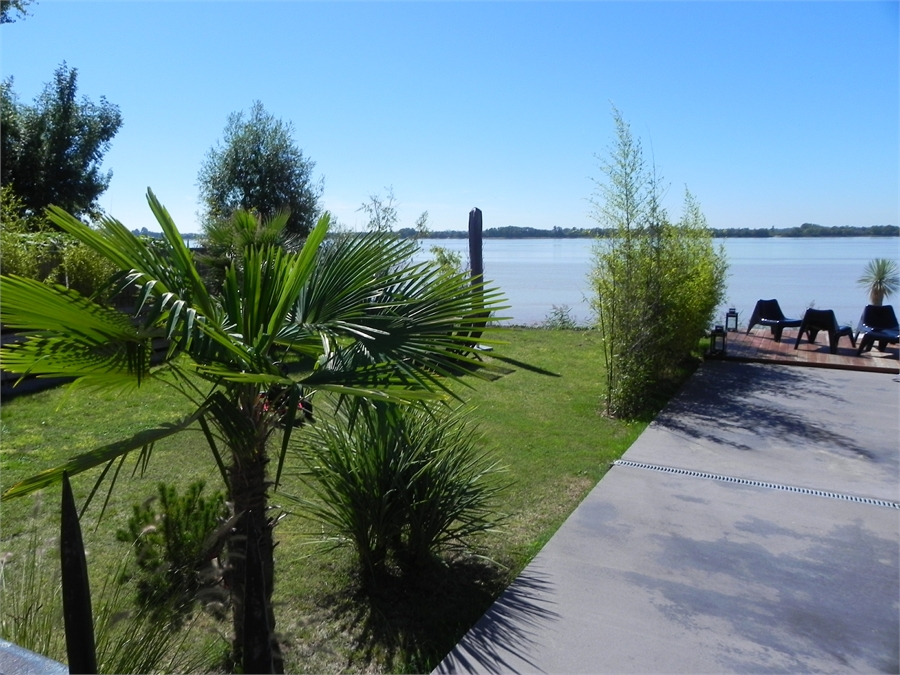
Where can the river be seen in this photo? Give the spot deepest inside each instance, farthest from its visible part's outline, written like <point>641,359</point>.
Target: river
<point>536,274</point>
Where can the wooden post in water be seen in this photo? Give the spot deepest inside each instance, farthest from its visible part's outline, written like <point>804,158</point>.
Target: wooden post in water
<point>476,264</point>
<point>476,260</point>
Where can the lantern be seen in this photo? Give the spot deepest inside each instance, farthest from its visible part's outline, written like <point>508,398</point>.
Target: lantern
<point>717,341</point>
<point>731,320</point>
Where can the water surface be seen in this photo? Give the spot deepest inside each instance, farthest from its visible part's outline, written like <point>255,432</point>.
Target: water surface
<point>536,274</point>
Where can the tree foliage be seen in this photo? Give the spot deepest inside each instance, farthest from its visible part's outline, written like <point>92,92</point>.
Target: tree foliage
<point>381,212</point>
<point>656,283</point>
<point>258,167</point>
<point>53,149</point>
<point>7,7</point>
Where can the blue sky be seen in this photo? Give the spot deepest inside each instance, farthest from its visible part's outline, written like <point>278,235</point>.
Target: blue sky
<point>772,114</point>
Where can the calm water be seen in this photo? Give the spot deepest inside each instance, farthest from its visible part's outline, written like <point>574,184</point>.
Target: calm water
<point>536,274</point>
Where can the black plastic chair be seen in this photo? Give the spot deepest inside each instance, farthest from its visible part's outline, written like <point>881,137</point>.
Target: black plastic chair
<point>768,313</point>
<point>816,320</point>
<point>878,323</point>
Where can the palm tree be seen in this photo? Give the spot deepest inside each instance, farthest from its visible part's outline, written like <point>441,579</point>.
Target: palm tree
<point>350,315</point>
<point>880,278</point>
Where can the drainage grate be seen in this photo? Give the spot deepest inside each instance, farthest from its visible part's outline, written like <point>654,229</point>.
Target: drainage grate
<point>757,483</point>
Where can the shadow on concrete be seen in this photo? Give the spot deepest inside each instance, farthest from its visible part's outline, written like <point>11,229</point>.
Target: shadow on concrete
<point>512,623</point>
<point>836,595</point>
<point>735,403</point>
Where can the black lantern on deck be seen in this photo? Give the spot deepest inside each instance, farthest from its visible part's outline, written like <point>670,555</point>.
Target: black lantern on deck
<point>717,341</point>
<point>731,320</point>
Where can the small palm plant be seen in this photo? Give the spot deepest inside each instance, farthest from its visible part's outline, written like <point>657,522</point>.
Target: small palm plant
<point>880,278</point>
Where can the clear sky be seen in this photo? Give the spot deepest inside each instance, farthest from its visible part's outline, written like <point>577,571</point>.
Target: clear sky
<point>773,114</point>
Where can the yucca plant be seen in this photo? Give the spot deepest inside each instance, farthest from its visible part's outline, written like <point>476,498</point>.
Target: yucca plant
<point>398,482</point>
<point>350,315</point>
<point>880,279</point>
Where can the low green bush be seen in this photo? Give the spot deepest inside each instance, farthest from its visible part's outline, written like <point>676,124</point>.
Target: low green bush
<point>28,248</point>
<point>174,540</point>
<point>84,270</point>
<point>560,318</point>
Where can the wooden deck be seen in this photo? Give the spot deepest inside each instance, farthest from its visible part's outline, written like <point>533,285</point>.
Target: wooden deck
<point>759,347</point>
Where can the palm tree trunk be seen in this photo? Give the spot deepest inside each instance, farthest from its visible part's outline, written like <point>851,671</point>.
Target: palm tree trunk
<point>252,567</point>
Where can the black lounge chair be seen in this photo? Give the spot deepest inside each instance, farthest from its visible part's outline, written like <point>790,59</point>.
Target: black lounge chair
<point>877,324</point>
<point>823,319</point>
<point>768,313</point>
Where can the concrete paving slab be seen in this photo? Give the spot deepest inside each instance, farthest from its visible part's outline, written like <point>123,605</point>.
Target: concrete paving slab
<point>824,429</point>
<point>671,573</point>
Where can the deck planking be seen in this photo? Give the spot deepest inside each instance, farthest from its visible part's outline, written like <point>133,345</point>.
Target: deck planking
<point>759,347</point>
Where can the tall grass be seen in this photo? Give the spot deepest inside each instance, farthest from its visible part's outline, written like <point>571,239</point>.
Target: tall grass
<point>32,595</point>
<point>133,639</point>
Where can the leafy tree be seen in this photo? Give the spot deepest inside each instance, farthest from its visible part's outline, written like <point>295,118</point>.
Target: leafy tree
<point>421,226</point>
<point>257,167</point>
<point>53,149</point>
<point>382,212</point>
<point>350,315</point>
<point>383,216</point>
<point>657,284</point>
<point>880,279</point>
<point>7,7</point>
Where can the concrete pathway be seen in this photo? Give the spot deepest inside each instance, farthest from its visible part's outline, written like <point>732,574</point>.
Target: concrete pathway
<point>671,565</point>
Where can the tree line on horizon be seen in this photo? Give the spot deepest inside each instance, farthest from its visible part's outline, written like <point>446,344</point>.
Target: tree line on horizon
<point>805,230</point>
<point>514,232</point>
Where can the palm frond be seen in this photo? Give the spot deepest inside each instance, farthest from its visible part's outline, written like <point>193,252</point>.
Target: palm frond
<point>68,335</point>
<point>158,272</point>
<point>382,313</point>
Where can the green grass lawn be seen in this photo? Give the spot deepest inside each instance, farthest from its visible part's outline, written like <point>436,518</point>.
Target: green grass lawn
<point>541,421</point>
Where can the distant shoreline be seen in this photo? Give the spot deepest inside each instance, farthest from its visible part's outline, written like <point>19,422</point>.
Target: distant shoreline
<point>805,230</point>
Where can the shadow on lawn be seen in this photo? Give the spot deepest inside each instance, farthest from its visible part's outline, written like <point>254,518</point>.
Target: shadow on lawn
<point>409,622</point>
